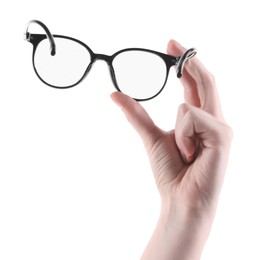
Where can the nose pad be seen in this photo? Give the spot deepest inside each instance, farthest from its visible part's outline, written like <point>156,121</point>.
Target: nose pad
<point>113,76</point>
<point>89,68</point>
<point>182,60</point>
<point>86,72</point>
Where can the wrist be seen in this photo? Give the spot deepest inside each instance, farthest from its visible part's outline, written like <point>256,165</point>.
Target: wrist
<point>177,237</point>
<point>186,230</point>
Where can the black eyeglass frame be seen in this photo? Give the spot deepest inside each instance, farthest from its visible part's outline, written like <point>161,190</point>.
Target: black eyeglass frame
<point>169,60</point>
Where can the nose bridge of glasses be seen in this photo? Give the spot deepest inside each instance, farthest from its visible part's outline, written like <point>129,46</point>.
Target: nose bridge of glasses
<point>99,56</point>
<point>102,57</point>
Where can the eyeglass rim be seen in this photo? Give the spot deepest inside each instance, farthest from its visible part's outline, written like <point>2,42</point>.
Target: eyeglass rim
<point>169,61</point>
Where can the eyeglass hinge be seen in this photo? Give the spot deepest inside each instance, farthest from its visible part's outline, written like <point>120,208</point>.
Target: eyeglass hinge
<point>27,36</point>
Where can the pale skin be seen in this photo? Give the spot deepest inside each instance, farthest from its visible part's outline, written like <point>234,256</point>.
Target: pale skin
<point>188,163</point>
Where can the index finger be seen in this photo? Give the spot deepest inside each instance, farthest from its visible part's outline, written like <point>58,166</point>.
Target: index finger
<point>199,84</point>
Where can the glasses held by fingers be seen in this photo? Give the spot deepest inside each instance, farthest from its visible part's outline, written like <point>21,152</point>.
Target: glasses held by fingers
<point>63,62</point>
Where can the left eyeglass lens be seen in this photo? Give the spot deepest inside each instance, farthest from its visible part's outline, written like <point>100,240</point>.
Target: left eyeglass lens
<point>66,67</point>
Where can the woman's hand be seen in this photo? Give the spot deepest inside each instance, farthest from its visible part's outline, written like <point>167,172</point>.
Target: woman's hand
<point>188,162</point>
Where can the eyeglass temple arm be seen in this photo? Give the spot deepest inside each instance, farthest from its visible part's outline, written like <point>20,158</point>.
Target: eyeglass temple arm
<point>182,60</point>
<point>27,35</point>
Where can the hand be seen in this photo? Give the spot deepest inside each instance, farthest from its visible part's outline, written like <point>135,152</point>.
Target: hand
<point>189,162</point>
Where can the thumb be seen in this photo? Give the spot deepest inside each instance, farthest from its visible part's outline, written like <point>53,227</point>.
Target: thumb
<point>137,117</point>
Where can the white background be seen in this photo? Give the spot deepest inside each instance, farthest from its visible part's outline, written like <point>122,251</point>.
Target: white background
<point>75,182</point>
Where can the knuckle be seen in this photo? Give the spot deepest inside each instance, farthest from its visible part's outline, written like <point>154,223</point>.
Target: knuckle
<point>228,132</point>
<point>191,113</point>
<point>183,107</point>
<point>224,136</point>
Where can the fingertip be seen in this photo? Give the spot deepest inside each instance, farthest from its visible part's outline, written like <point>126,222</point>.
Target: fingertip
<point>119,98</point>
<point>174,48</point>
<point>128,105</point>
<point>115,96</point>
<point>136,115</point>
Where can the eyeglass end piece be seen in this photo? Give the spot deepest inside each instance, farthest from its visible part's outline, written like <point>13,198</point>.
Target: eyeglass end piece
<point>27,36</point>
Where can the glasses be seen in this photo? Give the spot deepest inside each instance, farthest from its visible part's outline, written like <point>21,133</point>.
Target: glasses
<point>63,62</point>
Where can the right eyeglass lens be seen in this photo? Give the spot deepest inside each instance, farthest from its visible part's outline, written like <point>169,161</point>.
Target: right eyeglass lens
<point>140,74</point>
<point>66,67</point>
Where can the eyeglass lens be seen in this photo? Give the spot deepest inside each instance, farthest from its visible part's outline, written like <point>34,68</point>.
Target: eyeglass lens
<point>140,74</point>
<point>66,67</point>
